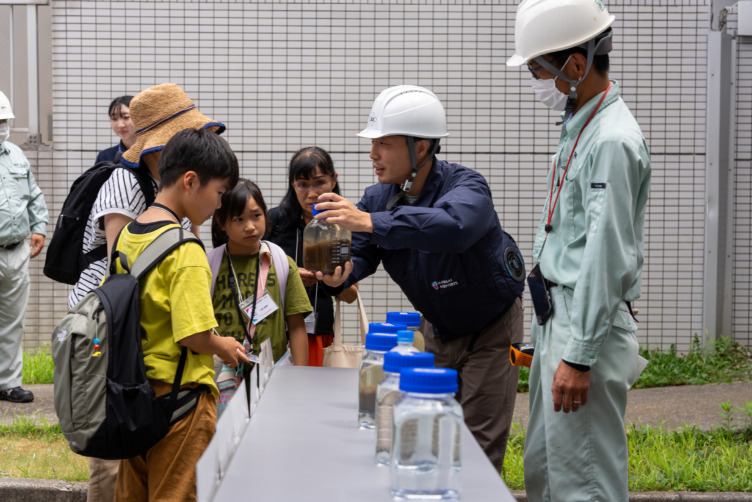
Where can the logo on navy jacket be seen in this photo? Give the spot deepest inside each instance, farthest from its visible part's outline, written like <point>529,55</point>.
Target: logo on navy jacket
<point>444,284</point>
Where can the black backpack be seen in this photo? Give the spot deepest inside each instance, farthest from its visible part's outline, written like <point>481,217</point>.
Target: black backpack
<point>104,402</point>
<point>65,258</point>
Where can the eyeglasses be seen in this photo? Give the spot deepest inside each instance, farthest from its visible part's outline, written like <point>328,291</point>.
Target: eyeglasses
<point>538,68</point>
<point>319,185</point>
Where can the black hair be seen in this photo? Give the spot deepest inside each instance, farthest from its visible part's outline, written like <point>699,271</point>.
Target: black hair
<point>302,166</point>
<point>201,151</point>
<point>600,63</point>
<point>116,107</point>
<point>233,204</point>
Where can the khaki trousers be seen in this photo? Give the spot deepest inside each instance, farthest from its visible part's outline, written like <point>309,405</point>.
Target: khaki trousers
<point>167,472</point>
<point>102,478</point>
<point>487,379</point>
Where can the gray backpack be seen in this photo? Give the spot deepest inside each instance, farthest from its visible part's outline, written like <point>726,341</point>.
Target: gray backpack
<point>104,402</point>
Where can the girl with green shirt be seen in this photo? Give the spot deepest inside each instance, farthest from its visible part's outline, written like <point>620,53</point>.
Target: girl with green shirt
<point>245,287</point>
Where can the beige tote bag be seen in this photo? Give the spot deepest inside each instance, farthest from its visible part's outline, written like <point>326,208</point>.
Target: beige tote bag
<point>338,355</point>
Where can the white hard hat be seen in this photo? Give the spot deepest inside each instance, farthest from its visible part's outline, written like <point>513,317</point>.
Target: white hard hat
<point>5,110</point>
<point>406,110</point>
<point>546,26</point>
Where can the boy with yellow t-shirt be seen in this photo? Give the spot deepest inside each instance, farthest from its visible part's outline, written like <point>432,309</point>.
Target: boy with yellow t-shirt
<point>196,168</point>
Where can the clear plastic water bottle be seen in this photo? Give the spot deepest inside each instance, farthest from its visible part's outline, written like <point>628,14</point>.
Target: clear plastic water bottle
<point>326,246</point>
<point>412,322</point>
<point>425,461</point>
<point>385,327</point>
<point>409,319</point>
<point>388,392</point>
<point>371,374</point>
<point>405,342</point>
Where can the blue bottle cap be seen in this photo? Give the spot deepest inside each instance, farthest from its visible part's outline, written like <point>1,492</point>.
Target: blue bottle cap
<point>381,341</point>
<point>395,361</point>
<point>428,380</point>
<point>314,211</point>
<point>410,319</point>
<point>385,327</point>
<point>405,335</point>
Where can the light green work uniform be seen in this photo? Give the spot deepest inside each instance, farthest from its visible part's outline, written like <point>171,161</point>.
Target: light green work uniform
<point>594,252</point>
<point>22,212</point>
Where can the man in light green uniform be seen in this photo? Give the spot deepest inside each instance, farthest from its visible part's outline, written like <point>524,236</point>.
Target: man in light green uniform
<point>23,214</point>
<point>589,245</point>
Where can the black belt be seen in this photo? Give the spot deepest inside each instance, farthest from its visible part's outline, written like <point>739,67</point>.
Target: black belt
<point>10,247</point>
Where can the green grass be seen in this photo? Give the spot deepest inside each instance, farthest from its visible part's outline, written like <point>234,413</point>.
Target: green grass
<point>689,459</point>
<point>32,448</point>
<point>38,366</point>
<point>721,361</point>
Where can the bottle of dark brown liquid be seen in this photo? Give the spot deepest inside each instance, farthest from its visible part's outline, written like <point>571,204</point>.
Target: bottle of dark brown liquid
<point>326,246</point>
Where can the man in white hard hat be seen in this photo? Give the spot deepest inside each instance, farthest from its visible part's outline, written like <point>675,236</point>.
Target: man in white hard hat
<point>589,254</point>
<point>22,212</point>
<point>434,227</point>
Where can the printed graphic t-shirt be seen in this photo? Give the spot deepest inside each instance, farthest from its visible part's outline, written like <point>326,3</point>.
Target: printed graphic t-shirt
<point>273,326</point>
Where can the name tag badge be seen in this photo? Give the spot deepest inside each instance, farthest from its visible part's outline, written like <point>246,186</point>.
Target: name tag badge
<point>265,306</point>
<point>310,323</point>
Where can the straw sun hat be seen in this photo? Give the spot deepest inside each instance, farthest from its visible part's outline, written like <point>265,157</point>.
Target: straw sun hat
<point>157,114</point>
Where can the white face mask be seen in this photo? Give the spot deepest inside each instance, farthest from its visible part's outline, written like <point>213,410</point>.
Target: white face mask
<point>548,94</point>
<point>4,132</point>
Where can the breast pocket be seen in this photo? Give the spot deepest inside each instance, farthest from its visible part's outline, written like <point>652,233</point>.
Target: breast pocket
<point>20,175</point>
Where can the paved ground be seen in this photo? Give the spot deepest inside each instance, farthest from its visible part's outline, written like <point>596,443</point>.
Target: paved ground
<point>672,407</point>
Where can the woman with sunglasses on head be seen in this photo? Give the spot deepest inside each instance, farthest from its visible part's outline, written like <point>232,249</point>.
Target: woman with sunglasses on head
<point>311,173</point>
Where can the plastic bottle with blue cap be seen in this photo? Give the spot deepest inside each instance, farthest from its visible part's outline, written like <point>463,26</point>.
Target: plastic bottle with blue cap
<point>326,246</point>
<point>371,374</point>
<point>405,342</point>
<point>412,322</point>
<point>426,461</point>
<point>388,392</point>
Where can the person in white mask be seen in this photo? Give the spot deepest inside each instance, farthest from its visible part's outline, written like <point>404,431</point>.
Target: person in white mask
<point>22,213</point>
<point>588,253</point>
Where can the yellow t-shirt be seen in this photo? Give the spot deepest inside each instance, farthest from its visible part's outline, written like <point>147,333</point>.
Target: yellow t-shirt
<point>175,304</point>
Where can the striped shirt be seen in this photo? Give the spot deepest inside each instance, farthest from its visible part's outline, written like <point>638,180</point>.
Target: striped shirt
<point>120,194</point>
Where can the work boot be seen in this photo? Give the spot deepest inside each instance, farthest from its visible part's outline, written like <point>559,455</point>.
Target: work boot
<point>16,395</point>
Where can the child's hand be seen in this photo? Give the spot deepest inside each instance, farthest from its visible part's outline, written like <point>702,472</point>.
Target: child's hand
<point>232,352</point>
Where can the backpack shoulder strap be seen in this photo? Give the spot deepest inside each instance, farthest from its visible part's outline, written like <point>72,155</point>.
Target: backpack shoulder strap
<point>215,260</point>
<point>282,266</point>
<point>160,247</point>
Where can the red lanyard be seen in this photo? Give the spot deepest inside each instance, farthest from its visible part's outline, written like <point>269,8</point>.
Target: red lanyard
<point>563,176</point>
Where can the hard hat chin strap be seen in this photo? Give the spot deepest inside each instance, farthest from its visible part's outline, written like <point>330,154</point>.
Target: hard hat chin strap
<point>573,83</point>
<point>411,150</point>
<point>407,185</point>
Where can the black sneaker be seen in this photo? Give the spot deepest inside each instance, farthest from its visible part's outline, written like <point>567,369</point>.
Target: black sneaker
<point>16,395</point>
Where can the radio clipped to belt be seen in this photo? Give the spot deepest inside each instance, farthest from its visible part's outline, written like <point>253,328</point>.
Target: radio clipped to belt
<point>521,354</point>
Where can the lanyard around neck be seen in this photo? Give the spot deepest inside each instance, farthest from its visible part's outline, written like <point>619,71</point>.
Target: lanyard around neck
<point>552,206</point>
<point>235,286</point>
<point>166,209</point>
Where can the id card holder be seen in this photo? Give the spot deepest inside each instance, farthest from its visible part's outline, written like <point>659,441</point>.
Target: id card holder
<point>265,306</point>
<point>310,323</point>
<point>540,296</point>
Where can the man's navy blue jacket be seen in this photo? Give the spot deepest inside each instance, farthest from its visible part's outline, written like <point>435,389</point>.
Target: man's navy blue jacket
<point>447,251</point>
